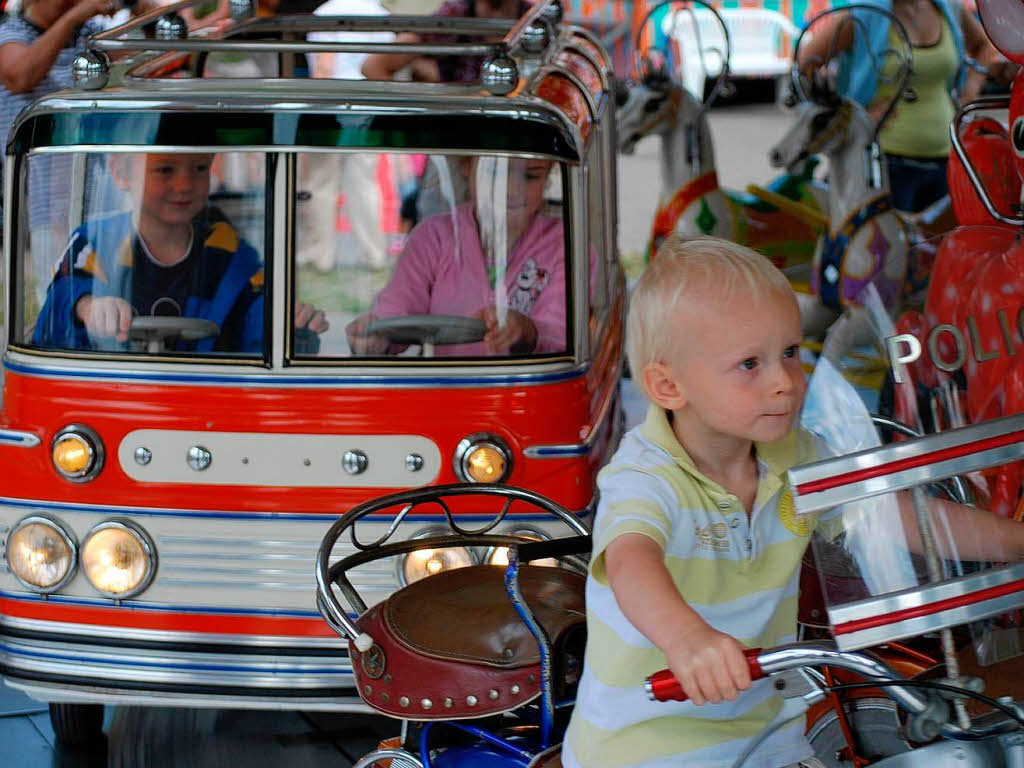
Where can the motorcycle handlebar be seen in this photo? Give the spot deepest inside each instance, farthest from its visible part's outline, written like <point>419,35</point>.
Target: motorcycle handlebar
<point>663,685</point>
<point>771,661</point>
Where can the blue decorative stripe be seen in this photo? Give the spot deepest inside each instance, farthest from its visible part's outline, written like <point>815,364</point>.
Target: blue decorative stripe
<point>304,381</point>
<point>276,669</point>
<point>22,439</point>
<point>287,516</point>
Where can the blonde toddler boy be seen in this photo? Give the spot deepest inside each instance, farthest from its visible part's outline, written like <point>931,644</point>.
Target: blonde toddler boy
<point>696,545</point>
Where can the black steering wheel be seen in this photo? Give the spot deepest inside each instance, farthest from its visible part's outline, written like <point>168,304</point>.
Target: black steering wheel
<point>153,330</point>
<point>428,329</point>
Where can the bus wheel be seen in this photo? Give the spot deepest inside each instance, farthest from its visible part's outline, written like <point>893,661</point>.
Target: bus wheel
<point>77,725</point>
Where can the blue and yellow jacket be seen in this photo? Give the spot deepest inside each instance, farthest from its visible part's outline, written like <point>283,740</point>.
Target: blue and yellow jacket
<point>226,285</point>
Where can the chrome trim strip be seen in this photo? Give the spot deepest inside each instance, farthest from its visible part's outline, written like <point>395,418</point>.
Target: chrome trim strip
<point>908,449</point>
<point>290,643</point>
<point>70,693</point>
<point>323,518</point>
<point>18,439</point>
<point>925,595</point>
<point>407,379</point>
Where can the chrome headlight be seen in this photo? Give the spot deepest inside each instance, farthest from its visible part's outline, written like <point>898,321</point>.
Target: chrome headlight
<point>77,453</point>
<point>421,563</point>
<point>41,553</point>
<point>499,555</point>
<point>482,458</point>
<point>118,558</point>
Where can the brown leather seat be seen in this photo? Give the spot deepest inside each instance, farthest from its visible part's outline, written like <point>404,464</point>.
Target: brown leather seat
<point>452,645</point>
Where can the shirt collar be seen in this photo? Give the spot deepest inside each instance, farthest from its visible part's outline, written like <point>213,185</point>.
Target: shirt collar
<point>776,457</point>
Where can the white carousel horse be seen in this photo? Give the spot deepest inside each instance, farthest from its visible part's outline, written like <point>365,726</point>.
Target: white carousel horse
<point>691,200</point>
<point>867,240</point>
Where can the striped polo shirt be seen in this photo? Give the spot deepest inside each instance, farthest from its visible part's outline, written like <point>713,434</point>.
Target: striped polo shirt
<point>739,573</point>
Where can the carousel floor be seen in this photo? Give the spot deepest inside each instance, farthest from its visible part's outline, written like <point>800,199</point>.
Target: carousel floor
<point>139,737</point>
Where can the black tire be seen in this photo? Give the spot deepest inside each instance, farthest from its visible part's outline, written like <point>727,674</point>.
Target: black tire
<point>77,725</point>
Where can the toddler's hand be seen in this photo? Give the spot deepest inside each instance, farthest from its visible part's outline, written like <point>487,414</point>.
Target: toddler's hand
<point>105,316</point>
<point>709,664</point>
<point>518,334</point>
<point>361,342</point>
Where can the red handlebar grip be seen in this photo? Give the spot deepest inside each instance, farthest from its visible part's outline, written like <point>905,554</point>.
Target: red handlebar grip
<point>663,686</point>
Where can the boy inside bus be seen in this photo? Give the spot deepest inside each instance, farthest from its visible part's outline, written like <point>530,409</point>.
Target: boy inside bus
<point>171,255</point>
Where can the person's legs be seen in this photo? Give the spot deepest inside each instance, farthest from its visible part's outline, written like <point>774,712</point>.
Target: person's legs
<point>914,183</point>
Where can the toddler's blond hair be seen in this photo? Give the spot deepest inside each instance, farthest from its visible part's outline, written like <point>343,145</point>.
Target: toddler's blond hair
<point>690,267</point>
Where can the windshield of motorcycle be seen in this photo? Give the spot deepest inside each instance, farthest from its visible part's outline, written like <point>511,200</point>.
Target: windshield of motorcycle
<point>912,547</point>
<point>394,256</point>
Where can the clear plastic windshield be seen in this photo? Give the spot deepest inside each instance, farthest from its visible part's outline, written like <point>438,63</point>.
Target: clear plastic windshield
<point>911,534</point>
<point>133,253</point>
<point>395,255</point>
<point>421,256</point>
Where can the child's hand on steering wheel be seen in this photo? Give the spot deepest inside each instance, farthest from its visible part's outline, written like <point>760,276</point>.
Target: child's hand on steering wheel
<point>518,334</point>
<point>105,316</point>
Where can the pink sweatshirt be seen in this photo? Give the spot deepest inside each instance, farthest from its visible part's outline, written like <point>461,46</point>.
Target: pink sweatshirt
<point>431,278</point>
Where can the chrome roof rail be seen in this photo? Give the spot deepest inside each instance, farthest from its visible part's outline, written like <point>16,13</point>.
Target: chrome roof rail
<point>532,35</point>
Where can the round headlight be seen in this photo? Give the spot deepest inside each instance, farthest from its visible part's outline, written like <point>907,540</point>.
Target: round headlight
<point>482,459</point>
<point>421,563</point>
<point>118,559</point>
<point>77,453</point>
<point>41,553</point>
<point>499,555</point>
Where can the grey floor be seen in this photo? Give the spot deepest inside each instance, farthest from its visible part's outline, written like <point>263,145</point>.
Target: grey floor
<point>192,738</point>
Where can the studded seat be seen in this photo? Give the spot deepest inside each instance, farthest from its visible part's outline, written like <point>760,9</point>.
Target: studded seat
<point>452,645</point>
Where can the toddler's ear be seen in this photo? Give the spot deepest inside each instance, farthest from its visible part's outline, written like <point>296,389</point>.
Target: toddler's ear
<point>663,386</point>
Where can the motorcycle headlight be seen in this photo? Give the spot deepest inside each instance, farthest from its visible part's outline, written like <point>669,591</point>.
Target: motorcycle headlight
<point>118,558</point>
<point>41,553</point>
<point>77,453</point>
<point>499,555</point>
<point>421,563</point>
<point>482,458</point>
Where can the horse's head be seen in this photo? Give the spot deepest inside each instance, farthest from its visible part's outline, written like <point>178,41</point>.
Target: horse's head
<point>821,127</point>
<point>657,104</point>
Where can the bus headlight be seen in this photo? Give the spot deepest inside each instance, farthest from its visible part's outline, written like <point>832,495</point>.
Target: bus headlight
<point>41,553</point>
<point>482,458</point>
<point>499,555</point>
<point>118,558</point>
<point>77,453</point>
<point>421,563</point>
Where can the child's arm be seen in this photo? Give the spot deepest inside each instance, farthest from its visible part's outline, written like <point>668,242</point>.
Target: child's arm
<point>976,534</point>
<point>709,664</point>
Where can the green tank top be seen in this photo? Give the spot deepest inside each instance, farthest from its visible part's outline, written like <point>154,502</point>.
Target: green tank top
<point>921,128</point>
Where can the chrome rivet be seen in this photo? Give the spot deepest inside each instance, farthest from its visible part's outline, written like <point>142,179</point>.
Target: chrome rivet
<point>426,703</point>
<point>507,653</point>
<point>492,694</point>
<point>471,700</point>
<point>306,462</point>
<point>198,458</point>
<point>367,689</point>
<point>387,678</point>
<point>385,698</point>
<point>514,690</point>
<point>414,462</point>
<point>531,678</point>
<point>403,701</point>
<point>143,456</point>
<point>354,462</point>
<point>448,703</point>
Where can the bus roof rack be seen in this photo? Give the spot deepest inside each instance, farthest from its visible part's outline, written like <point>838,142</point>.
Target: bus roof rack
<point>530,36</point>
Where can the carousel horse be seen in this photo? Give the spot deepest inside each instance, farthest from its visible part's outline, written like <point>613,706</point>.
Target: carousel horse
<point>972,327</point>
<point>691,200</point>
<point>867,240</point>
<point>784,228</point>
